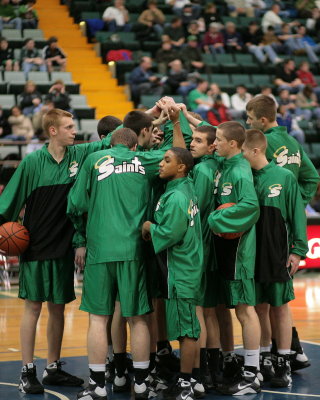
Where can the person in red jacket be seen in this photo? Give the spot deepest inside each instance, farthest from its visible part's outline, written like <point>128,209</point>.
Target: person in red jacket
<point>307,77</point>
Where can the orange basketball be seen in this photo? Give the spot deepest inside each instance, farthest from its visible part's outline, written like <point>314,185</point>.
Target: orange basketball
<point>14,238</point>
<point>229,235</point>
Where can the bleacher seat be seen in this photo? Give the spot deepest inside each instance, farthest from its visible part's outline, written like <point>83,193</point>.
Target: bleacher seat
<point>13,77</point>
<point>242,79</point>
<point>7,101</point>
<point>88,127</point>
<point>11,34</point>
<point>78,100</point>
<point>39,77</point>
<point>36,34</point>
<point>66,77</point>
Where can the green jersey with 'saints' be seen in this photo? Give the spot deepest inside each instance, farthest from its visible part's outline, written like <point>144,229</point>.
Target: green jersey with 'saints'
<point>288,153</point>
<point>236,257</point>
<point>177,233</point>
<point>281,228</point>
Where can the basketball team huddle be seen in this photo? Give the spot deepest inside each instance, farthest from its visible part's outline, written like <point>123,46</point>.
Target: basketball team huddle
<point>175,222</point>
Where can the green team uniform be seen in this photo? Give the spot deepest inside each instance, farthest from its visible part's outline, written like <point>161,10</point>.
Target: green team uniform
<point>42,185</point>
<point>288,153</point>
<point>236,257</point>
<point>113,187</point>
<point>177,235</point>
<point>203,179</point>
<point>281,230</point>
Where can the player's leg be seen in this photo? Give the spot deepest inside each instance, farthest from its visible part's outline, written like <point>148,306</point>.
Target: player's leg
<point>213,343</point>
<point>28,380</point>
<point>110,368</point>
<point>197,372</point>
<point>299,360</point>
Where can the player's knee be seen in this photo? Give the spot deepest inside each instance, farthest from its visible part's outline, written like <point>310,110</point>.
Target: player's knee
<point>33,307</point>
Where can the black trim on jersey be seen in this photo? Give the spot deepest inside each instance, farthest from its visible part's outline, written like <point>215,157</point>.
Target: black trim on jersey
<point>226,254</point>
<point>50,229</point>
<point>272,246</point>
<point>163,273</point>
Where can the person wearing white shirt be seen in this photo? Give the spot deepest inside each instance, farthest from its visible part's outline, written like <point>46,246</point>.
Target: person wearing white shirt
<point>239,101</point>
<point>117,17</point>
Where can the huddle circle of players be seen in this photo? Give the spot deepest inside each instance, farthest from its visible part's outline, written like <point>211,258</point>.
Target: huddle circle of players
<point>148,220</point>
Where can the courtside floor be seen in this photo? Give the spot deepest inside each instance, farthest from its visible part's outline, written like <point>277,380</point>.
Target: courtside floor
<point>306,313</point>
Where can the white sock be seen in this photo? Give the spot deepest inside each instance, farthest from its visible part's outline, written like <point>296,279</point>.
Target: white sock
<point>265,349</point>
<point>141,364</point>
<point>52,365</point>
<point>110,352</point>
<point>97,367</point>
<point>284,351</point>
<point>251,358</point>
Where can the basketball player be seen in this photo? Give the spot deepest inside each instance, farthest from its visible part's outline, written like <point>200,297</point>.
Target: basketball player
<point>281,244</point>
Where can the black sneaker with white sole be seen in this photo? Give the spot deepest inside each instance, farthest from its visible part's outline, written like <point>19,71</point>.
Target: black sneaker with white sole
<point>298,360</point>
<point>248,383</point>
<point>282,372</point>
<point>156,382</point>
<point>168,359</point>
<point>231,368</point>
<point>144,390</point>
<point>179,390</point>
<point>198,388</point>
<point>121,384</point>
<point>266,366</point>
<point>57,377</point>
<point>92,392</point>
<point>110,371</point>
<point>28,380</point>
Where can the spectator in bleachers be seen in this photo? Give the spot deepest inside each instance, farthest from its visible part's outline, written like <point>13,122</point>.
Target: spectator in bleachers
<point>8,16</point>
<point>307,78</point>
<point>301,42</point>
<point>178,7</point>
<point>21,126</point>
<point>5,128</point>
<point>237,7</point>
<point>216,93</point>
<point>239,101</point>
<point>284,118</point>
<point>286,36</point>
<point>29,15</point>
<point>267,91</point>
<point>211,14</point>
<point>272,18</point>
<point>198,100</point>
<point>232,38</point>
<point>191,55</point>
<point>177,80</point>
<point>30,99</point>
<point>288,101</point>
<point>143,81</point>
<point>213,41</point>
<point>313,23</point>
<point>174,32</point>
<point>31,58</point>
<point>286,77</point>
<point>308,103</point>
<point>165,55</point>
<point>59,96</point>
<point>252,38</point>
<point>188,14</point>
<point>116,17</point>
<point>54,56</point>
<point>153,17</point>
<point>47,105</point>
<point>270,38</point>
<point>305,8</point>
<point>194,29</point>
<point>7,60</point>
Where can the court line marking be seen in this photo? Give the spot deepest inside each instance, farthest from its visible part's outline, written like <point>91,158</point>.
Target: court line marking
<point>59,395</point>
<point>291,394</point>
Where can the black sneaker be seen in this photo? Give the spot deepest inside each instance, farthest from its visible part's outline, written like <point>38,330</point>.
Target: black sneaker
<point>206,379</point>
<point>166,358</point>
<point>57,377</point>
<point>92,392</point>
<point>110,371</point>
<point>156,382</point>
<point>180,390</point>
<point>266,366</point>
<point>299,360</point>
<point>121,384</point>
<point>231,368</point>
<point>144,390</point>
<point>282,372</point>
<point>28,380</point>
<point>198,389</point>
<point>248,383</point>
<point>129,364</point>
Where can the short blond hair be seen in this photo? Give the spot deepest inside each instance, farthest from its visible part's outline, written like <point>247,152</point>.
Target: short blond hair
<point>53,118</point>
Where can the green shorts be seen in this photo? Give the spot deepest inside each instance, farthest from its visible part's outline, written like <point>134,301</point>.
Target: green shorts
<point>238,292</point>
<point>182,319</point>
<point>276,294</point>
<point>125,281</point>
<point>48,280</point>
<point>211,290</point>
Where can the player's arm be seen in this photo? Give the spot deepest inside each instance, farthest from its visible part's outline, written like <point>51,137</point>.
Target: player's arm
<point>298,223</point>
<point>242,216</point>
<point>203,187</point>
<point>15,194</point>
<point>168,132</point>
<point>308,178</point>
<point>171,228</point>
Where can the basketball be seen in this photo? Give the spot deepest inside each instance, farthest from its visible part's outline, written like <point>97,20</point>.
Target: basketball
<point>14,238</point>
<point>229,236</point>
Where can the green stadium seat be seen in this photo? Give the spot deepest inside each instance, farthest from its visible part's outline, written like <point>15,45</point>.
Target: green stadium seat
<point>242,79</point>
<point>89,15</point>
<point>148,100</point>
<point>227,63</point>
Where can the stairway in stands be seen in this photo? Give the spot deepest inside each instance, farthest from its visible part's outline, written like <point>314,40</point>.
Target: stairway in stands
<point>100,88</point>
